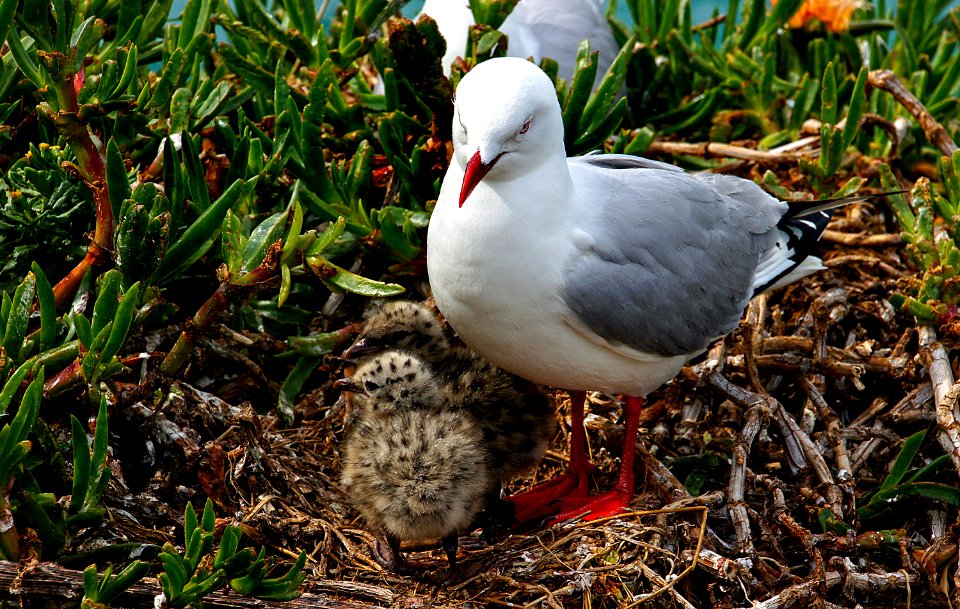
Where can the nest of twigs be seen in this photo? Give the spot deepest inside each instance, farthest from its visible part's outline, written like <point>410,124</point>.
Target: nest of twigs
<point>748,461</point>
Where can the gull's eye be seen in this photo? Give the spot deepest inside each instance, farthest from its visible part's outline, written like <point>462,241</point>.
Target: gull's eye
<point>525,128</point>
<point>370,386</point>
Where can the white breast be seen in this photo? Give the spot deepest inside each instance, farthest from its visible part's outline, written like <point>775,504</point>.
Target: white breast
<point>498,283</point>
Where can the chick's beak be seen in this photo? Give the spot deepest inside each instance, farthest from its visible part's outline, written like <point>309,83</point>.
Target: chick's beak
<point>475,171</point>
<point>348,384</point>
<point>361,348</point>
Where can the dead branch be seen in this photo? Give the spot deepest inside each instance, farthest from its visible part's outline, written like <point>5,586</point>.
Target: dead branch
<point>752,422</point>
<point>860,582</point>
<point>832,423</point>
<point>717,565</point>
<point>657,580</point>
<point>944,392</point>
<point>884,266</point>
<point>949,428</point>
<point>669,489</point>
<point>863,452</point>
<point>861,239</point>
<point>886,80</point>
<point>716,149</point>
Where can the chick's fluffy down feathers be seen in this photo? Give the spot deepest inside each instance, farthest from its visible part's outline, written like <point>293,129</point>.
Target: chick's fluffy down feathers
<point>417,475</point>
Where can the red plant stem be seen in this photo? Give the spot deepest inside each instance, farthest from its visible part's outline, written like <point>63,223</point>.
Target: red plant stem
<point>90,159</point>
<point>65,379</point>
<point>264,276</point>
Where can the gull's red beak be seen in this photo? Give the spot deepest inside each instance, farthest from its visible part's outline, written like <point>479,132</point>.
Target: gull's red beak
<point>474,172</point>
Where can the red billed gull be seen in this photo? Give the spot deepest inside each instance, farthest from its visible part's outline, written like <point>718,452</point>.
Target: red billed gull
<point>603,272</point>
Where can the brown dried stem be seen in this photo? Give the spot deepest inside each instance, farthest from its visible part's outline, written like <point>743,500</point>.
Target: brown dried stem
<point>758,410</point>
<point>716,149</point>
<point>944,392</point>
<point>860,582</point>
<point>887,81</point>
<point>832,424</point>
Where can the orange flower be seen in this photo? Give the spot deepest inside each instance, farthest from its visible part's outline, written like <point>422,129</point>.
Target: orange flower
<point>834,14</point>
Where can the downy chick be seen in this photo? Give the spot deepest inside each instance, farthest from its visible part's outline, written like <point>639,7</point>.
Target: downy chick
<point>404,325</point>
<point>516,417</point>
<point>414,468</point>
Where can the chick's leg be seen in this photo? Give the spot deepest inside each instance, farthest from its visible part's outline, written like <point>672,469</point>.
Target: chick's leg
<point>390,557</point>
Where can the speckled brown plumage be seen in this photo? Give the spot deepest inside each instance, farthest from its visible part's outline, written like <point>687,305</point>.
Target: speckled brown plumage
<point>405,325</point>
<point>516,417</point>
<point>414,468</point>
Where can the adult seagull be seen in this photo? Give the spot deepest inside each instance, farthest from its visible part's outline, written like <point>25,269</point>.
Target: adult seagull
<point>603,272</point>
<point>535,28</point>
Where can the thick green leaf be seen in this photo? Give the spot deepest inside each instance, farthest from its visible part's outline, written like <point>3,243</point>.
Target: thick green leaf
<point>108,299</point>
<point>263,236</point>
<point>7,9</point>
<point>293,383</point>
<point>931,490</point>
<point>48,309</point>
<point>121,323</point>
<point>342,279</point>
<point>828,95</point>
<point>19,316</point>
<point>118,185</point>
<point>908,452</point>
<point>197,240</point>
<point>12,386</point>
<point>232,242</point>
<point>81,465</point>
<point>857,102</point>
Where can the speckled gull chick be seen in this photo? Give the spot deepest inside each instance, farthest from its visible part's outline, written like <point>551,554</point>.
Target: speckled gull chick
<point>603,272</point>
<point>516,417</point>
<point>535,28</point>
<point>415,469</point>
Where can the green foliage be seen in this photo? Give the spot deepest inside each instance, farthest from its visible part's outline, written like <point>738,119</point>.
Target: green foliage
<point>930,226</point>
<point>44,211</point>
<point>99,592</point>
<point>188,577</point>
<point>14,448</point>
<point>90,471</point>
<point>589,117</point>
<point>901,482</point>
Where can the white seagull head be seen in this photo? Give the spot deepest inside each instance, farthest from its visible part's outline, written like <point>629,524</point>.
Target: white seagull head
<point>506,123</point>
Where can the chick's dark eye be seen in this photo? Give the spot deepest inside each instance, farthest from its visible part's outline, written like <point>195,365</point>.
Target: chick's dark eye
<point>370,386</point>
<point>525,128</point>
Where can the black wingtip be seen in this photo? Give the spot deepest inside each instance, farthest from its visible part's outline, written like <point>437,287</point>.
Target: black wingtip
<point>802,209</point>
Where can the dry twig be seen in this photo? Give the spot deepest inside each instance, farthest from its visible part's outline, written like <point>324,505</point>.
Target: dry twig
<point>944,392</point>
<point>887,81</point>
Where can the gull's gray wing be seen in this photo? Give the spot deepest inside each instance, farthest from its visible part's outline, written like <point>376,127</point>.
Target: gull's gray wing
<point>625,161</point>
<point>666,261</point>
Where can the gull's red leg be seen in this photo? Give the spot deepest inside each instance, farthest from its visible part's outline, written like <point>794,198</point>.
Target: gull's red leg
<point>546,498</point>
<point>618,498</point>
